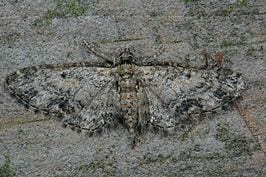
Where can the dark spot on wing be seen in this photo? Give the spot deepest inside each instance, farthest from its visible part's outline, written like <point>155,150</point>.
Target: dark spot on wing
<point>219,93</point>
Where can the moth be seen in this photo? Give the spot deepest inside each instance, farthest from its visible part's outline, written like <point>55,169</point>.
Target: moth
<point>125,90</point>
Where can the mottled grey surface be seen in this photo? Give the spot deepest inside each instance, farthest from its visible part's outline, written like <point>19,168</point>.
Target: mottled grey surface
<point>222,146</point>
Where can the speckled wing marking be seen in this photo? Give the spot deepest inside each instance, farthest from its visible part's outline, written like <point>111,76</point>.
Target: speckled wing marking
<point>102,110</point>
<point>91,95</point>
<point>179,97</point>
<point>72,92</point>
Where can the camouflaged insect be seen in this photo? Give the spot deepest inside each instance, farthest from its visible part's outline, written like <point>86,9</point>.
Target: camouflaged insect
<point>92,95</point>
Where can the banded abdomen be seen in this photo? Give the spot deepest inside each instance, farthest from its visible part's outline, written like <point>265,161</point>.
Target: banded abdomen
<point>130,96</point>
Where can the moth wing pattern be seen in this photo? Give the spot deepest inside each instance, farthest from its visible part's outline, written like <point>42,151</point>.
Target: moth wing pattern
<point>179,97</point>
<point>74,93</point>
<point>102,111</point>
<point>159,113</point>
<point>92,95</point>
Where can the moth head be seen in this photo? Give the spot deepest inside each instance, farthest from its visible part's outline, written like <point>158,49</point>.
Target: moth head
<point>126,56</point>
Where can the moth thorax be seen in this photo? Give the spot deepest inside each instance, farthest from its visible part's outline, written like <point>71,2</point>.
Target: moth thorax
<point>126,69</point>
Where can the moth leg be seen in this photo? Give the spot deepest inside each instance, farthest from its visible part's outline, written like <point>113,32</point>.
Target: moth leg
<point>103,56</point>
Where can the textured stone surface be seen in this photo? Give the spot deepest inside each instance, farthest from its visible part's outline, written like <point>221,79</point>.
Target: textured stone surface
<point>229,144</point>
